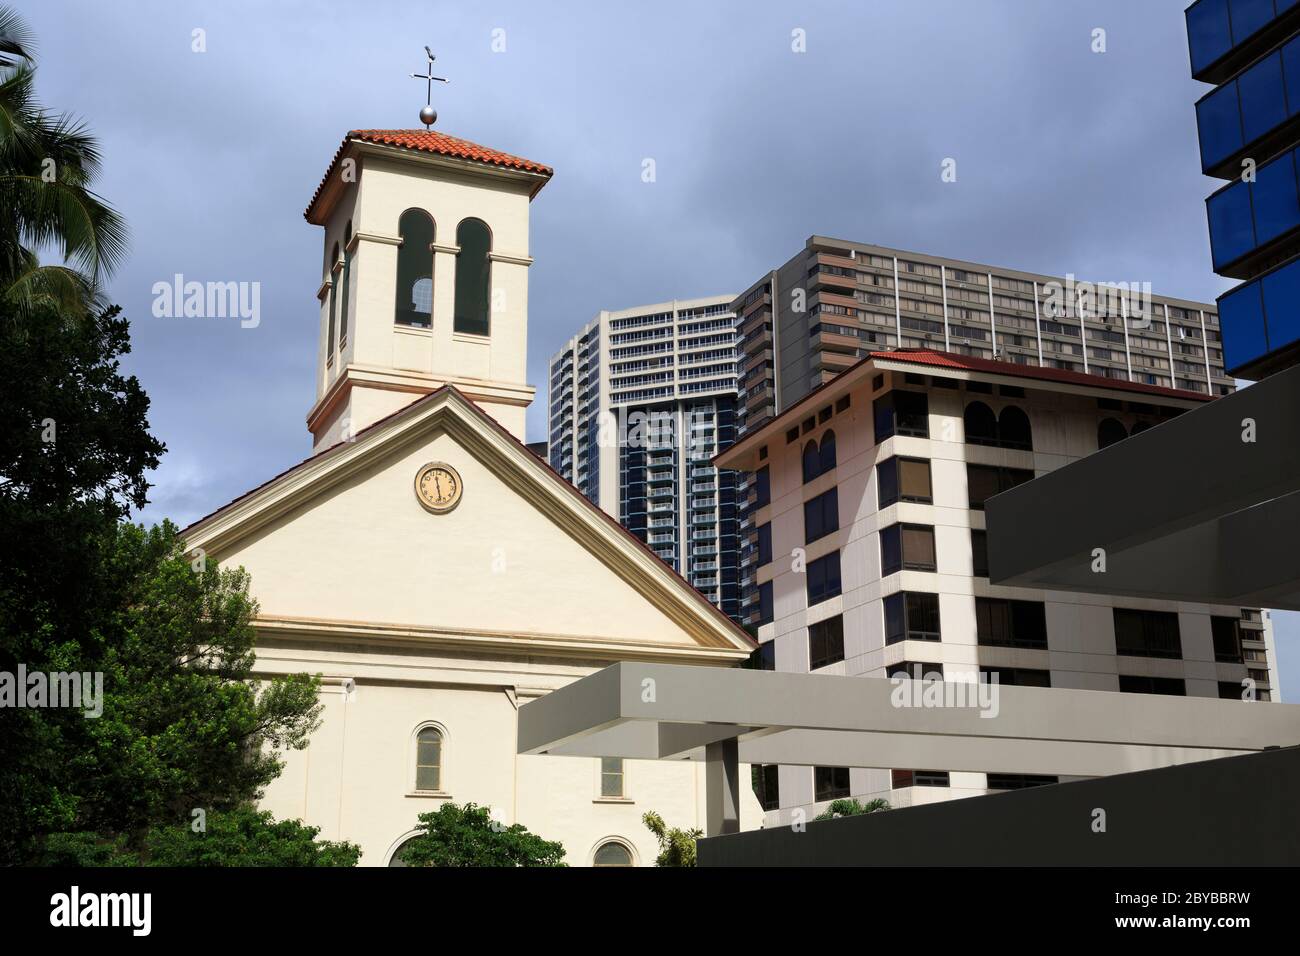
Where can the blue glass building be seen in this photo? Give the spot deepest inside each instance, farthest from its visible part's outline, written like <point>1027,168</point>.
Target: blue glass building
<point>1249,129</point>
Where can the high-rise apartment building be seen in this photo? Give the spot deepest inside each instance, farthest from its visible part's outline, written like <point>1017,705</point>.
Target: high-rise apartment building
<point>871,555</point>
<point>836,301</point>
<point>640,401</point>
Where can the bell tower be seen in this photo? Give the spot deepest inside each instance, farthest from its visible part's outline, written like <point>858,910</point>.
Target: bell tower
<point>424,277</point>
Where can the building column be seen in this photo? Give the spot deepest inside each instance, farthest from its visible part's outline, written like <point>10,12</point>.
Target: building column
<point>722,787</point>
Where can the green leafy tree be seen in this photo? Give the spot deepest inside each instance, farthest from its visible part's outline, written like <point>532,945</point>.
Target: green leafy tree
<point>852,808</point>
<point>242,837</point>
<point>48,163</point>
<point>74,450</point>
<point>676,846</point>
<point>467,835</point>
<point>185,724</point>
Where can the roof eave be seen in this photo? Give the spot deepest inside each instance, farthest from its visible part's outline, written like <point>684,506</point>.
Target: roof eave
<point>322,203</point>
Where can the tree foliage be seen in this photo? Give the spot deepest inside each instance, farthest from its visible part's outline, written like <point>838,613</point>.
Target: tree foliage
<point>676,846</point>
<point>185,725</point>
<point>467,835</point>
<point>48,164</point>
<point>242,837</point>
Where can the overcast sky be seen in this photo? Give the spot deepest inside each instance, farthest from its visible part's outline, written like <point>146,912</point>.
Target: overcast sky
<point>1068,160</point>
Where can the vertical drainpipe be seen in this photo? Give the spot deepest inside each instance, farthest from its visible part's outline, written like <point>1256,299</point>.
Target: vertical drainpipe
<point>776,345</point>
<point>898,313</point>
<point>943,284</point>
<point>1038,325</point>
<point>1169,341</point>
<point>993,323</point>
<point>1205,348</point>
<point>1128,352</point>
<point>1083,329</point>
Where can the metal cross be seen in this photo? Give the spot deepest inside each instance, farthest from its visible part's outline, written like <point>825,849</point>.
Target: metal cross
<point>428,78</point>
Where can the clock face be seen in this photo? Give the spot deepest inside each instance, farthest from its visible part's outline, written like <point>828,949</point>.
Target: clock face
<point>438,487</point>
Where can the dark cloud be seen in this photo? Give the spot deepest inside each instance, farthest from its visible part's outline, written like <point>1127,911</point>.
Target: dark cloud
<point>1067,160</point>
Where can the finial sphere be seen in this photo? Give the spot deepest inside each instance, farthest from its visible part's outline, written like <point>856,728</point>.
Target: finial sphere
<point>428,116</point>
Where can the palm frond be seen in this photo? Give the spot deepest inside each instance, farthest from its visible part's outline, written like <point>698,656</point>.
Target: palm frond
<point>56,289</point>
<point>16,41</point>
<point>87,231</point>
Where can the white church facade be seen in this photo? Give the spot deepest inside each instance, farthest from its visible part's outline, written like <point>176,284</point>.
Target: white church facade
<point>432,570</point>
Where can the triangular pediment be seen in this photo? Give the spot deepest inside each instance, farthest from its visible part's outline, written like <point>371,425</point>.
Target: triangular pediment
<point>342,545</point>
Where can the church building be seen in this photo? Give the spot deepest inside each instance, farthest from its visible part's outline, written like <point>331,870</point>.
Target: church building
<point>432,570</point>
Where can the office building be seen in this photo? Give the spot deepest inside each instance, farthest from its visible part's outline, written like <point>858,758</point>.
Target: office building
<point>640,401</point>
<point>1249,129</point>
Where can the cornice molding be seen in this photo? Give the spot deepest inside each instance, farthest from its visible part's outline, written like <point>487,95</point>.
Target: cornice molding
<point>514,260</point>
<point>529,644</point>
<point>376,237</point>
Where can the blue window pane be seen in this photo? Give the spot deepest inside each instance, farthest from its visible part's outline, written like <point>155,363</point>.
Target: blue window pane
<point>1282,305</point>
<point>1291,73</point>
<point>1277,208</point>
<point>1263,105</point>
<point>1208,33</point>
<point>1281,5</point>
<point>1219,123</point>
<point>1232,234</point>
<point>1241,316</point>
<point>1248,16</point>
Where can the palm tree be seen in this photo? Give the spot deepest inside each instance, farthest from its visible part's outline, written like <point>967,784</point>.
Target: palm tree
<point>853,808</point>
<point>47,163</point>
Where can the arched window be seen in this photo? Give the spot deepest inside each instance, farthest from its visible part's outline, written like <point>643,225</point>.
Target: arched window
<point>347,274</point>
<point>396,858</point>
<point>612,853</point>
<point>334,288</point>
<point>826,453</point>
<point>1109,432</point>
<point>428,759</point>
<point>1013,429</point>
<point>473,271</point>
<point>811,462</point>
<point>414,305</point>
<point>981,425</point>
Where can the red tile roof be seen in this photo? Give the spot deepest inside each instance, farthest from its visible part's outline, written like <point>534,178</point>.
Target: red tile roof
<point>971,363</point>
<point>429,141</point>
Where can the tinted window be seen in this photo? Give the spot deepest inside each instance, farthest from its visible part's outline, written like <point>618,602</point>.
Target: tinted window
<point>1147,633</point>
<point>912,616</point>
<point>763,485</point>
<point>826,642</point>
<point>821,515</point>
<point>979,550</point>
<point>823,578</point>
<point>1003,623</point>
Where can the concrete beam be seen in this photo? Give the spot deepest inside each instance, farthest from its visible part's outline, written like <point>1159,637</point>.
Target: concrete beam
<point>1187,510</point>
